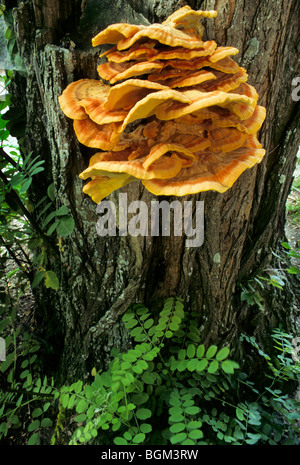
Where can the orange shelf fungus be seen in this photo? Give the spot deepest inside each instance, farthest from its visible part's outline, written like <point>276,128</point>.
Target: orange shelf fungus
<point>169,110</point>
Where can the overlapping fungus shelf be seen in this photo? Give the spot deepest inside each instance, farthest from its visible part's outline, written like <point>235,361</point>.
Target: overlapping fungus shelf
<point>169,110</point>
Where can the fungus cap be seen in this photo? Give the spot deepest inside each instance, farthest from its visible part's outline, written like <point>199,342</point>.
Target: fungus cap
<point>212,171</point>
<point>76,91</point>
<point>176,112</point>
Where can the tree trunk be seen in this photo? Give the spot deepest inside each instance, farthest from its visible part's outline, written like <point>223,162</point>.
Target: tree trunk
<point>100,277</point>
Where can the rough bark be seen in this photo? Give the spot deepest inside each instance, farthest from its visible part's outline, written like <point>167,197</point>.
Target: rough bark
<point>101,277</point>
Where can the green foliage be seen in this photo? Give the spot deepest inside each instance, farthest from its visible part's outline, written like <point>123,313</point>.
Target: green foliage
<point>252,290</point>
<point>292,254</point>
<point>10,39</point>
<point>27,231</point>
<point>293,201</point>
<point>123,405</point>
<point>273,414</point>
<point>168,388</point>
<point>23,390</point>
<point>149,397</point>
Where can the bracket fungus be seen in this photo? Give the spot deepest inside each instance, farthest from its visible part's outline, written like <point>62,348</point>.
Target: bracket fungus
<point>170,110</point>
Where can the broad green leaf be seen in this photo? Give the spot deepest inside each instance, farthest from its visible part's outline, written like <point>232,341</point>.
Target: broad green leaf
<point>19,401</point>
<point>182,365</point>
<point>238,434</point>
<point>227,367</point>
<point>200,351</point>
<point>240,414</point>
<point>130,356</point>
<point>90,412</point>
<point>192,364</point>
<point>151,354</point>
<point>82,406</point>
<point>211,351</point>
<point>181,354</point>
<point>202,364</point>
<point>25,186</point>
<point>36,170</point>
<point>105,379</point>
<point>144,316</point>
<point>128,316</point>
<point>148,378</point>
<point>64,400</point>
<point>37,279</point>
<point>33,425</point>
<point>140,366</point>
<point>175,400</point>
<point>115,425</point>
<point>63,210</point>
<point>143,413</point>
<point>174,326</point>
<point>77,386</point>
<point>139,438</point>
<point>191,351</point>
<point>15,420</point>
<point>177,427</point>
<point>71,402</point>
<point>46,423</point>
<point>253,438</point>
<point>222,354</point>
<point>34,440</point>
<point>293,270</point>
<point>194,424</point>
<point>51,280</point>
<point>178,438</point>
<point>65,226</point>
<point>37,412</point>
<point>52,227</point>
<point>136,331</point>
<point>176,418</point>
<point>139,398</point>
<point>46,406</point>
<point>131,323</point>
<point>213,366</point>
<point>148,323</point>
<point>131,406</point>
<point>192,410</point>
<point>121,409</point>
<point>7,362</point>
<point>195,434</point>
<point>3,323</point>
<point>48,219</point>
<point>125,366</point>
<point>51,192</point>
<point>145,428</point>
<point>127,435</point>
<point>176,410</point>
<point>120,441</point>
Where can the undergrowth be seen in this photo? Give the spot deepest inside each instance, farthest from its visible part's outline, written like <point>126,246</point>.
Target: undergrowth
<point>167,389</point>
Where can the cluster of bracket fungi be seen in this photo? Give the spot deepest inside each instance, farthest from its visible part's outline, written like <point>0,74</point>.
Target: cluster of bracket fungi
<point>170,110</point>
